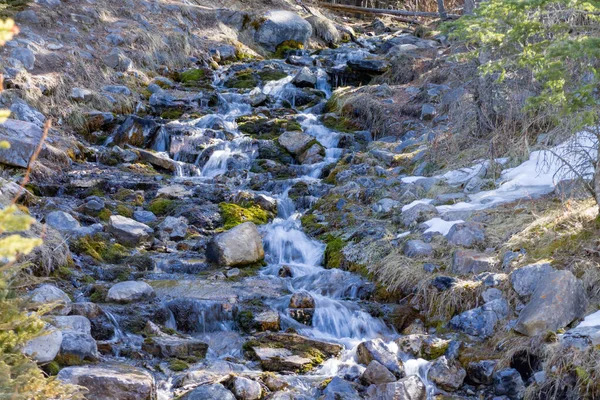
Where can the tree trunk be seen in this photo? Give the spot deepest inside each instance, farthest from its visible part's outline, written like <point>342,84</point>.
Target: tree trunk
<point>441,9</point>
<point>468,7</point>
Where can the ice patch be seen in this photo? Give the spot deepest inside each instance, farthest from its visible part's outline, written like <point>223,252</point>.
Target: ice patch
<point>441,226</point>
<point>414,203</point>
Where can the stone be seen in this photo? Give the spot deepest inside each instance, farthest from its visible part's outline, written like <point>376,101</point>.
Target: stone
<point>340,389</point>
<point>145,217</point>
<point>466,262</point>
<point>210,391</point>
<point>443,283</point>
<point>135,131</point>
<point>378,351</point>
<point>481,321</point>
<point>281,26</point>
<point>77,347</point>
<point>302,299</point>
<point>447,375</point>
<point>474,185</point>
<point>491,294</point>
<point>23,138</point>
<point>558,300</point>
<point>118,61</point>
<point>313,155</point>
<point>305,78</point>
<point>428,112</point>
<point>25,56</point>
<point>45,348</point>
<point>174,228</point>
<point>238,246</point>
<point>128,231</point>
<point>62,221</point>
<point>171,346</point>
<point>268,321</point>
<point>115,39</point>
<point>525,279</point>
<point>466,234</point>
<point>50,294</point>
<point>158,159</point>
<point>128,291</point>
<point>174,192</point>
<point>418,213</point>
<point>274,383</point>
<point>24,112</point>
<point>385,205</point>
<point>417,248</point>
<point>369,66</point>
<point>245,389</point>
<point>111,381</point>
<point>296,142</point>
<point>481,372</point>
<point>376,373</point>
<point>76,323</point>
<point>325,29</point>
<point>508,382</point>
<point>409,388</point>
<point>93,205</point>
<point>81,95</point>
<point>117,89</point>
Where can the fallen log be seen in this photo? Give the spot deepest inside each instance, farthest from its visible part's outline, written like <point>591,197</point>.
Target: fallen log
<point>404,13</point>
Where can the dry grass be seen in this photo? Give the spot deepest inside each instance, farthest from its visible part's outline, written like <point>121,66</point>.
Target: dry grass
<point>443,305</point>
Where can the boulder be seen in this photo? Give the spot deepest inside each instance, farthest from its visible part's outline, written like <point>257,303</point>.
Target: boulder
<point>281,26</point>
<point>75,323</point>
<point>117,89</point>
<point>409,388</point>
<point>558,300</point>
<point>245,389</point>
<point>158,159</point>
<point>45,348</point>
<point>77,347</point>
<point>508,382</point>
<point>417,248</point>
<point>62,221</point>
<point>172,346</point>
<point>135,131</point>
<point>325,29</point>
<point>481,321</point>
<point>50,294</point>
<point>305,78</point>
<point>481,372</point>
<point>143,216</point>
<point>126,292</point>
<point>376,373</point>
<point>340,389</point>
<point>385,205</point>
<point>524,280</point>
<point>296,142</point>
<point>25,56</point>
<point>23,137</point>
<point>369,66</point>
<point>175,228</point>
<point>128,231</point>
<point>210,391</point>
<point>302,307</point>
<point>238,246</point>
<point>314,154</point>
<point>268,320</point>
<point>118,61</point>
<point>111,381</point>
<point>378,351</point>
<point>418,213</point>
<point>447,375</point>
<point>466,234</point>
<point>466,262</point>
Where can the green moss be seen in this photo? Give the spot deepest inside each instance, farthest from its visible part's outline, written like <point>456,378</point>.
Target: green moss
<point>340,124</point>
<point>171,114</point>
<point>193,77</point>
<point>52,368</point>
<point>125,211</point>
<point>311,225</point>
<point>245,321</point>
<point>243,80</point>
<point>287,46</point>
<point>234,214</point>
<point>293,126</point>
<point>266,76</point>
<point>63,272</point>
<point>99,249</point>
<point>98,294</point>
<point>161,206</point>
<point>8,8</point>
<point>178,365</point>
<point>88,279</point>
<point>104,214</point>
<point>333,251</point>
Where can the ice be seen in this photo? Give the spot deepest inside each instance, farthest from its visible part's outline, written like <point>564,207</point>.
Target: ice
<point>414,203</point>
<point>441,226</point>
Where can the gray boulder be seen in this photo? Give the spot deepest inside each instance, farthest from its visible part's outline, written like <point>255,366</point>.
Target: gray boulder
<point>376,373</point>
<point>111,381</point>
<point>418,213</point>
<point>467,234</point>
<point>174,228</point>
<point>447,375</point>
<point>25,56</point>
<point>417,248</point>
<point>305,78</point>
<point>524,280</point>
<point>24,112</point>
<point>296,142</point>
<point>75,323</point>
<point>558,300</point>
<point>369,66</point>
<point>508,382</point>
<point>481,372</point>
<point>128,231</point>
<point>481,321</point>
<point>466,262</point>
<point>77,347</point>
<point>314,154</point>
<point>385,205</point>
<point>245,389</point>
<point>126,292</point>
<point>238,246</point>
<point>117,89</point>
<point>377,350</point>
<point>280,26</point>
<point>340,389</point>
<point>45,348</point>
<point>118,61</point>
<point>210,391</point>
<point>62,221</point>
<point>50,294</point>
<point>143,216</point>
<point>325,29</point>
<point>23,138</point>
<point>409,388</point>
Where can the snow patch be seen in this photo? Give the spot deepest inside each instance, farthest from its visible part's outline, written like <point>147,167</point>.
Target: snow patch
<point>414,203</point>
<point>590,320</point>
<point>441,226</point>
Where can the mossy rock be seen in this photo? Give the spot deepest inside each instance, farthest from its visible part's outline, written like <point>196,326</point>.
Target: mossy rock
<point>124,210</point>
<point>196,77</point>
<point>340,124</point>
<point>242,80</point>
<point>177,365</point>
<point>234,214</point>
<point>172,114</point>
<point>99,248</point>
<point>284,48</point>
<point>271,75</point>
<point>161,206</point>
<point>333,252</point>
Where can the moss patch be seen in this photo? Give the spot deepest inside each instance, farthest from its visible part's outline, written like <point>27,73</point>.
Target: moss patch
<point>125,211</point>
<point>266,76</point>
<point>242,80</point>
<point>161,206</point>
<point>99,249</point>
<point>333,251</point>
<point>178,365</point>
<point>234,214</point>
<point>172,114</point>
<point>340,124</point>
<point>287,46</point>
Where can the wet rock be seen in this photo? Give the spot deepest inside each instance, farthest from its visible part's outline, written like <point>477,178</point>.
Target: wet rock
<point>447,375</point>
<point>174,228</point>
<point>370,66</point>
<point>417,248</point>
<point>376,373</point>
<point>174,192</point>
<point>44,349</point>
<point>296,142</point>
<point>238,246</point>
<point>275,383</point>
<point>135,131</point>
<point>305,78</point>
<point>101,326</point>
<point>481,321</point>
<point>558,299</point>
<point>77,347</point>
<point>410,388</point>
<point>62,221</point>
<point>339,389</point>
<point>126,292</point>
<point>268,321</point>
<point>281,26</point>
<point>172,346</point>
<point>378,351</point>
<point>111,381</point>
<point>508,382</point>
<point>325,29</point>
<point>465,262</point>
<point>524,280</point>
<point>145,217</point>
<point>128,231</point>
<point>302,307</point>
<point>245,389</point>
<point>314,154</point>
<point>158,159</point>
<point>50,294</point>
<point>468,234</point>
<point>210,391</point>
<point>481,372</point>
<point>418,213</point>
